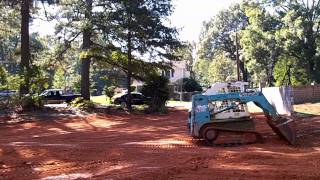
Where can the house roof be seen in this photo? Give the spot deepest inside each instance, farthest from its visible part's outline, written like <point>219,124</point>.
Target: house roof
<point>179,64</point>
<point>137,83</point>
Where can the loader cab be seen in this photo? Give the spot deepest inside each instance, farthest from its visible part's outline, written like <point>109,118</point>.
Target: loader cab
<point>241,111</point>
<point>206,111</point>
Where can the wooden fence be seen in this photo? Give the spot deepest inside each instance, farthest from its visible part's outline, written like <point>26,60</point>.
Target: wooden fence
<point>306,94</point>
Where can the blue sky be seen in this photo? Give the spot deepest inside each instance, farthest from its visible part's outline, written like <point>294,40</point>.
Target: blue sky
<point>188,15</point>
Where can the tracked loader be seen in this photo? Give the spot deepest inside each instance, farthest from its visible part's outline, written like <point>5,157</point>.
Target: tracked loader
<point>220,116</point>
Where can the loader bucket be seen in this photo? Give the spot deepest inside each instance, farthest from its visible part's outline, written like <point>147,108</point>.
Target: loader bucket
<point>283,127</point>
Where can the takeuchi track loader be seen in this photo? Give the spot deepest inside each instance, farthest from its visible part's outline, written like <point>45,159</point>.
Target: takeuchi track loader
<point>227,113</point>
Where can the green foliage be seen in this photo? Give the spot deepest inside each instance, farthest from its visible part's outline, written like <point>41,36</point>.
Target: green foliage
<point>140,69</point>
<point>298,75</point>
<point>9,32</point>
<point>190,85</point>
<point>138,28</point>
<point>26,103</point>
<point>290,31</point>
<point>202,71</point>
<point>66,79</point>
<point>82,103</point>
<point>133,88</point>
<point>218,34</point>
<point>141,23</point>
<point>156,87</point>
<point>260,47</point>
<point>222,69</point>
<point>13,82</point>
<point>110,91</point>
<point>3,76</point>
<point>37,81</point>
<point>59,80</point>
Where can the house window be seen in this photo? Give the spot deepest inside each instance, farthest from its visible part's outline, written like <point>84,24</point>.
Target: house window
<point>172,73</point>
<point>168,74</point>
<point>189,68</point>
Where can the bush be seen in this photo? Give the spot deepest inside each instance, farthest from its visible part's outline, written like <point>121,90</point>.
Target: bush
<point>190,85</point>
<point>31,102</point>
<point>156,87</point>
<point>26,102</point>
<point>133,88</point>
<point>82,103</point>
<point>110,91</point>
<point>3,76</point>
<point>299,76</point>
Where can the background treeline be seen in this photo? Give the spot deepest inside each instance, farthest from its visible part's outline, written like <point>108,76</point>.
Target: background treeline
<point>278,41</point>
<point>95,42</point>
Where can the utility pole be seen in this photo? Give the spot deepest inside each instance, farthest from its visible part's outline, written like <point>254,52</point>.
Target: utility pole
<point>237,57</point>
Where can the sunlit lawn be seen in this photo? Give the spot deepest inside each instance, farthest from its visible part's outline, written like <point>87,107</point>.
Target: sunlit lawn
<point>102,100</point>
<point>308,108</point>
<point>182,104</point>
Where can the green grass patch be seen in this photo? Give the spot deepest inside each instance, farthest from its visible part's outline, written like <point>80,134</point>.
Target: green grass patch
<point>102,100</point>
<point>184,104</point>
<point>308,108</point>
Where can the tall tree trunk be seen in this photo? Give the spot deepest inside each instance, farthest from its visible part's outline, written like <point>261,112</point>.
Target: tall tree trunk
<point>129,71</point>
<point>310,51</point>
<point>244,71</point>
<point>2,53</point>
<point>25,47</point>
<point>85,62</point>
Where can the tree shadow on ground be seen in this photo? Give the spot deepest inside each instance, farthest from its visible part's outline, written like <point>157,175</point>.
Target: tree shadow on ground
<point>123,145</point>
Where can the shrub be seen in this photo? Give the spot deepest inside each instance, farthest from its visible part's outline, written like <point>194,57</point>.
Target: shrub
<point>156,87</point>
<point>82,103</point>
<point>299,76</point>
<point>133,88</point>
<point>110,91</point>
<point>191,85</point>
<point>3,76</point>
<point>26,102</point>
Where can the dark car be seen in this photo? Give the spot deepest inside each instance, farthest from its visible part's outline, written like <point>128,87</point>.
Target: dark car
<point>136,99</point>
<point>7,93</point>
<point>57,96</point>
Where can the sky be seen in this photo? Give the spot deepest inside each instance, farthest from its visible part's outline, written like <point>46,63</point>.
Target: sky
<point>188,15</point>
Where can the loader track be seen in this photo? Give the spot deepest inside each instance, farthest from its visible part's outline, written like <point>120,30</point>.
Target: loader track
<point>232,144</point>
<point>235,140</point>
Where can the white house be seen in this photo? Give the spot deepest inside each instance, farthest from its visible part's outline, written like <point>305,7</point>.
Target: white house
<point>179,70</point>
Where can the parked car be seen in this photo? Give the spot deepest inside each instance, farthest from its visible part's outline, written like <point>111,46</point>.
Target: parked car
<point>7,93</point>
<point>57,96</point>
<point>136,99</point>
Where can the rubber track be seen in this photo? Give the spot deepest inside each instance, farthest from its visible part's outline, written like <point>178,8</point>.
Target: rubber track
<point>233,144</point>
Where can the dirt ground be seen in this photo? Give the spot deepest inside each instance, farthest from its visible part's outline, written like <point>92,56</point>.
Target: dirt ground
<point>122,146</point>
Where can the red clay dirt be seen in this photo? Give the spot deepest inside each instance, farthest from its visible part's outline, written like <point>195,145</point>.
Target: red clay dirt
<point>122,146</point>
